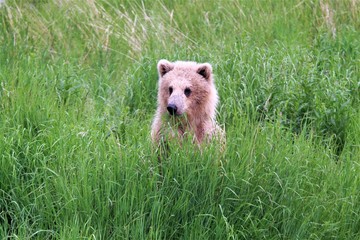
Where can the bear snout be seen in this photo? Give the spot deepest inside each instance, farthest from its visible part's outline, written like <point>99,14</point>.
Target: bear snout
<point>172,109</point>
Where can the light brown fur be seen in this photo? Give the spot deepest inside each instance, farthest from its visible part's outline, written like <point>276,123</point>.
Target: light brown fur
<point>195,113</point>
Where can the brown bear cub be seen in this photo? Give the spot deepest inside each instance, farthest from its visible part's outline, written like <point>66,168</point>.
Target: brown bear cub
<point>187,100</point>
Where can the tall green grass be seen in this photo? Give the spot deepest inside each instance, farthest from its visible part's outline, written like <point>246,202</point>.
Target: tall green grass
<point>78,87</point>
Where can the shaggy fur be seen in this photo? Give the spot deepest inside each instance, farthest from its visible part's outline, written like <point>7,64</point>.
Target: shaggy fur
<point>187,100</point>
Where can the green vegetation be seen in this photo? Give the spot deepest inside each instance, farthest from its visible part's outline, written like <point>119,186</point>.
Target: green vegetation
<point>78,86</point>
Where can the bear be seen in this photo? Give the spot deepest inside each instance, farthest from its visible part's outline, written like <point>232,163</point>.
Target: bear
<point>187,101</point>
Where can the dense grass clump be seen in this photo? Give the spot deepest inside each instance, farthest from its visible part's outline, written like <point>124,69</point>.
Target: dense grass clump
<point>78,88</point>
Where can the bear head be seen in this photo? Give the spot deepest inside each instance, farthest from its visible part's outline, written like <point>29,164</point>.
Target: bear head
<point>186,88</point>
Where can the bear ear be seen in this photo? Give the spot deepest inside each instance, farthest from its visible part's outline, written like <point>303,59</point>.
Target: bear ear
<point>205,70</point>
<point>164,66</point>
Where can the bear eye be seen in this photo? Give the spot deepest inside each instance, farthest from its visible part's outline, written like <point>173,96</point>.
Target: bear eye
<point>170,90</point>
<point>187,92</point>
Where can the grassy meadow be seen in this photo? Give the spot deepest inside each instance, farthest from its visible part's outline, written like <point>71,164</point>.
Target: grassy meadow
<point>78,88</point>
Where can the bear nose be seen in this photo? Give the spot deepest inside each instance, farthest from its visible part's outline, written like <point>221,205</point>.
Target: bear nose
<point>172,109</point>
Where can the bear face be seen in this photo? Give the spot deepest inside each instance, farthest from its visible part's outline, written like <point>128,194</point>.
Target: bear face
<point>185,87</point>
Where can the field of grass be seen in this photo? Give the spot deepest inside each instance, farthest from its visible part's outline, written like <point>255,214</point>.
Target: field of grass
<point>78,85</point>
